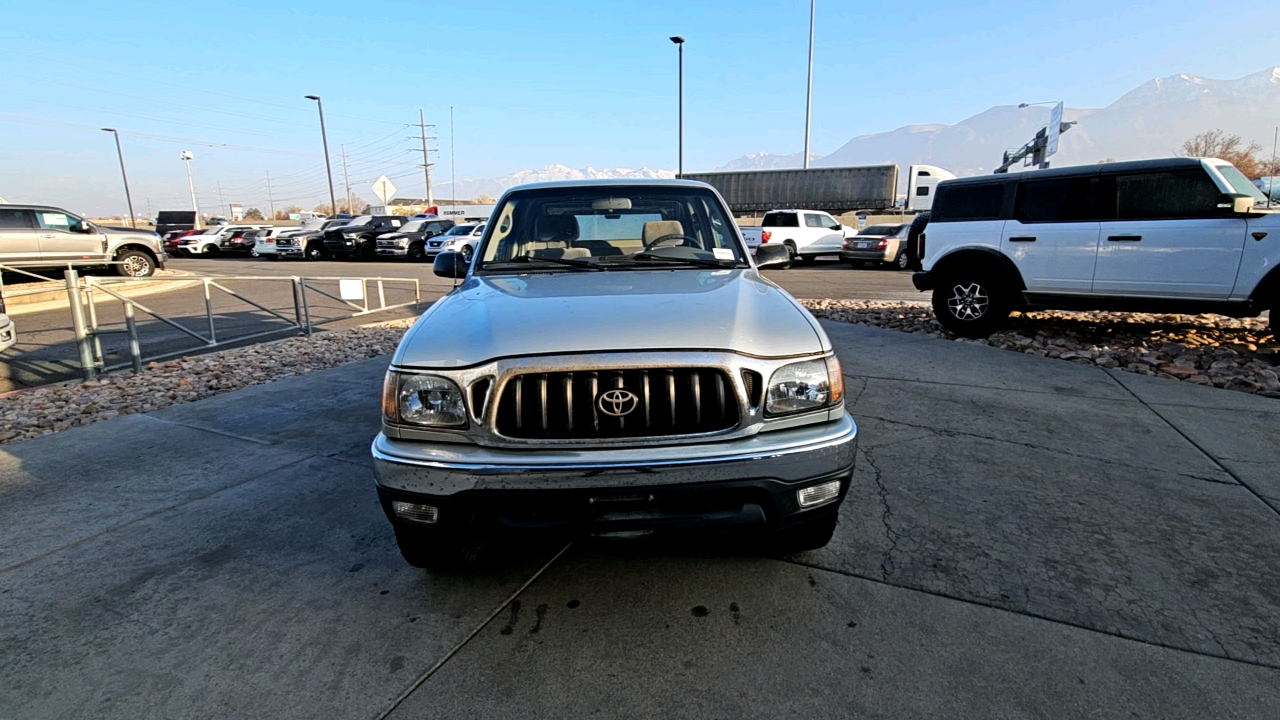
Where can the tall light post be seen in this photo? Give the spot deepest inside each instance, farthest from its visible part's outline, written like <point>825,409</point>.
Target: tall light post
<point>679,41</point>
<point>133,221</point>
<point>186,157</point>
<point>808,98</point>
<point>324,138</point>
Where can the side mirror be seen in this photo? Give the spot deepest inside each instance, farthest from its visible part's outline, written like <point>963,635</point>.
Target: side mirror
<point>87,227</point>
<point>451,265</point>
<point>768,256</point>
<point>1236,203</point>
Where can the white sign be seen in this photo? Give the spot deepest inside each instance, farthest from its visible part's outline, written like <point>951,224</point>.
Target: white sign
<point>383,188</point>
<point>1055,129</point>
<point>351,289</point>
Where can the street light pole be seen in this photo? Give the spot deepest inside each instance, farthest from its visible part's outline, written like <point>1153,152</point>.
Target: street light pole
<point>324,138</point>
<point>133,221</point>
<point>679,41</point>
<point>186,156</point>
<point>808,98</point>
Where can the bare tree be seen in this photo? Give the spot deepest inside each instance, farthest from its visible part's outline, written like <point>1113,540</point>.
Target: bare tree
<point>1216,144</point>
<point>253,214</point>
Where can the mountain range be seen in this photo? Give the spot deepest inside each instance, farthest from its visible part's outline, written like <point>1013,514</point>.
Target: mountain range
<point>495,186</point>
<point>1152,120</point>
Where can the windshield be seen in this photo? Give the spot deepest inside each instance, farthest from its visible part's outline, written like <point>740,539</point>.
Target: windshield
<point>1240,183</point>
<point>460,229</point>
<point>610,228</point>
<point>412,226</point>
<point>333,224</point>
<point>361,220</point>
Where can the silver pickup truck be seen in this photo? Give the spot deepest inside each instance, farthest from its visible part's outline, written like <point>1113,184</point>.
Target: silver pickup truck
<point>45,236</point>
<point>612,363</point>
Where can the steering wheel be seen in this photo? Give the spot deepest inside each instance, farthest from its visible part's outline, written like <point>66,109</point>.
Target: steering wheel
<point>660,242</point>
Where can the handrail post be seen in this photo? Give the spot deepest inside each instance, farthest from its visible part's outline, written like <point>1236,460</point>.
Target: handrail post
<point>306,310</point>
<point>208,313</point>
<point>135,347</point>
<point>297,302</point>
<point>382,298</point>
<point>93,320</point>
<point>87,365</point>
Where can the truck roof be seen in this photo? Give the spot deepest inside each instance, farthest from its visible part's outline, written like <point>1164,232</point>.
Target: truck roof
<point>612,182</point>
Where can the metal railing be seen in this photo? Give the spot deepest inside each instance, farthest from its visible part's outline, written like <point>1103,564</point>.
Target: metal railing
<point>83,294</point>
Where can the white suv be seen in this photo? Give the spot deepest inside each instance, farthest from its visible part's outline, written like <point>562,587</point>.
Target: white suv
<point>805,233</point>
<point>1177,235</point>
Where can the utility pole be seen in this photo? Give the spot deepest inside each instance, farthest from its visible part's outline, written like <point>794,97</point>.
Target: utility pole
<point>346,180</point>
<point>133,221</point>
<point>679,41</point>
<point>149,208</point>
<point>453,162</point>
<point>271,201</point>
<point>222,203</point>
<point>1275,170</point>
<point>808,97</point>
<point>328,169</point>
<point>426,160</point>
<point>186,156</point>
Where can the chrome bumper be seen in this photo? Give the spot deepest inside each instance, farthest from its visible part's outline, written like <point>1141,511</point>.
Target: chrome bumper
<point>442,469</point>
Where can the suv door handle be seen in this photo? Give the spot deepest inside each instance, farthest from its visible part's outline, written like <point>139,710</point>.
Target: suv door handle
<point>48,236</point>
<point>1124,238</point>
<point>1022,238</point>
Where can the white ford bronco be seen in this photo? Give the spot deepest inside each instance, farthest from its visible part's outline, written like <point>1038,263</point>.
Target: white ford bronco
<point>1186,235</point>
<point>612,363</point>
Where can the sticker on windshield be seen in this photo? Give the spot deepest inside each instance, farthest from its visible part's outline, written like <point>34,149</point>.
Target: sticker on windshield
<point>56,219</point>
<point>722,253</point>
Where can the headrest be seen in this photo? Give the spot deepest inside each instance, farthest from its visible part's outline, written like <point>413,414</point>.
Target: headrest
<point>660,228</point>
<point>563,253</point>
<point>557,228</point>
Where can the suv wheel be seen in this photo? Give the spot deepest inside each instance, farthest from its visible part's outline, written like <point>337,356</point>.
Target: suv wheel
<point>434,553</point>
<point>315,251</point>
<point>466,253</point>
<point>971,303</point>
<point>806,535</point>
<point>135,263</point>
<point>903,261</point>
<point>210,250</point>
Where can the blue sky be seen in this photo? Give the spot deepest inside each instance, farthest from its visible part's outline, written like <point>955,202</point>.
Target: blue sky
<point>577,83</point>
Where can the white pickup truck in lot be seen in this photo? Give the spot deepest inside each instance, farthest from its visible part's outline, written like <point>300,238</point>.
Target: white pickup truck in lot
<point>1179,235</point>
<point>805,233</point>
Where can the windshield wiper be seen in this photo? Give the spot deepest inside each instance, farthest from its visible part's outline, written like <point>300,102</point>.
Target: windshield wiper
<point>700,262</point>
<point>558,261</point>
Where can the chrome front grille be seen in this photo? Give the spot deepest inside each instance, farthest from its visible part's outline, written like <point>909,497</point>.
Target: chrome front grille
<point>617,404</point>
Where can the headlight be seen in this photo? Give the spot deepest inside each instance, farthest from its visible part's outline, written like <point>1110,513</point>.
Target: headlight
<point>402,242</point>
<point>423,400</point>
<point>802,386</point>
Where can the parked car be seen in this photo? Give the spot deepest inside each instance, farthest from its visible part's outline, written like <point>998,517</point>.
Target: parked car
<point>173,238</point>
<point>264,241</point>
<point>209,242</point>
<point>46,236</point>
<point>1188,235</point>
<point>8,333</point>
<point>239,242</point>
<point>460,239</point>
<point>308,243</point>
<point>358,238</point>
<point>880,244</point>
<point>806,234</point>
<point>411,239</point>
<point>678,391</point>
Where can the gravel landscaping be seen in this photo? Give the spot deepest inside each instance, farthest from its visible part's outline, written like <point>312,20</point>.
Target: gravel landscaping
<point>1236,354</point>
<point>26,414</point>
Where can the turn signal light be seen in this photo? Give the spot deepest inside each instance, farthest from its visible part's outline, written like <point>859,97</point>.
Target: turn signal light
<point>818,494</point>
<point>429,514</point>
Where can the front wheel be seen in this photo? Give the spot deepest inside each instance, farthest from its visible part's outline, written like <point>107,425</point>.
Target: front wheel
<point>466,253</point>
<point>434,553</point>
<point>210,251</point>
<point>971,304</point>
<point>416,253</point>
<point>135,263</point>
<point>315,251</point>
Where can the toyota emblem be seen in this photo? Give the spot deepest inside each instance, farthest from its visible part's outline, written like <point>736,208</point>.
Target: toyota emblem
<point>617,403</point>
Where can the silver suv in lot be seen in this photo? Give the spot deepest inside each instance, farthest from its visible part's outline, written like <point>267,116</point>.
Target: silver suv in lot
<point>40,235</point>
<point>1188,235</point>
<point>612,363</point>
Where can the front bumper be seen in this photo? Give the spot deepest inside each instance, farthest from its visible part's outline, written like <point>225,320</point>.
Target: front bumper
<point>385,251</point>
<point>746,482</point>
<point>8,333</point>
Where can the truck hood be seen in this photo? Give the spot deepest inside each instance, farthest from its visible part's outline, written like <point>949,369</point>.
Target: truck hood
<point>547,313</point>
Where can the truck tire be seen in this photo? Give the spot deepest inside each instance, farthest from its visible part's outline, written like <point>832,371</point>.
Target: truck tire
<point>791,250</point>
<point>135,264</point>
<point>416,253</point>
<point>918,225</point>
<point>315,251</point>
<point>972,303</point>
<point>466,253</point>
<point>434,553</point>
<point>805,535</point>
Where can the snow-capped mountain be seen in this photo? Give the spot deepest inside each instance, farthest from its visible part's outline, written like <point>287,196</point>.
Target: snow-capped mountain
<point>494,187</point>
<point>767,161</point>
<point>1152,120</point>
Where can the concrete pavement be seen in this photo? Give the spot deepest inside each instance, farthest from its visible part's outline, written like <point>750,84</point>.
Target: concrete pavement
<point>1024,538</point>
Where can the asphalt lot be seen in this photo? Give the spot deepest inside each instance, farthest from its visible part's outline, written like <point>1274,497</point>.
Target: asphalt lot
<point>46,349</point>
<point>1024,538</point>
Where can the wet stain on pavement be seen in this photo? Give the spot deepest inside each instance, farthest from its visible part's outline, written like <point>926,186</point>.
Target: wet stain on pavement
<point>734,609</point>
<point>700,611</point>
<point>397,663</point>
<point>541,615</point>
<point>515,618</point>
<point>572,604</point>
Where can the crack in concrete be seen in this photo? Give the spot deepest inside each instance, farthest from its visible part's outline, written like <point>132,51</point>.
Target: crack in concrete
<point>947,432</point>
<point>886,516</point>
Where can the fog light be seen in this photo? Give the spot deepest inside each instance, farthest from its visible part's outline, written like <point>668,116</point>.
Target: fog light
<point>816,495</point>
<point>427,514</point>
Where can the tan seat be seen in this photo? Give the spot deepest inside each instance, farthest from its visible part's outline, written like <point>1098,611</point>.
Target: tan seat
<point>660,228</point>
<point>563,253</point>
